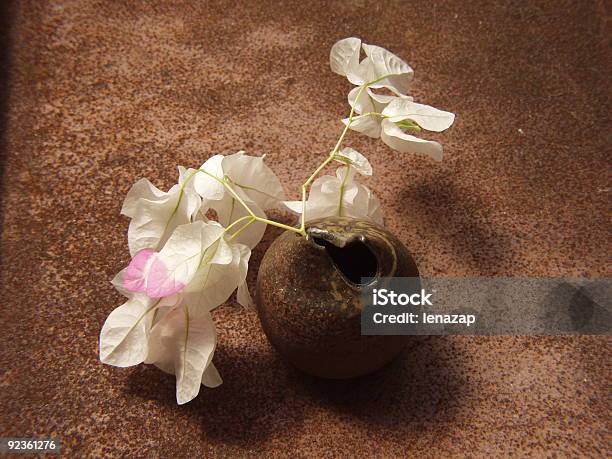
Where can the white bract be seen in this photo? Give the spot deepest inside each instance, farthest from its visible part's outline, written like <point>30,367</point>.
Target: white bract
<point>355,159</point>
<point>342,195</point>
<point>166,320</point>
<point>252,181</point>
<point>183,343</point>
<point>379,69</point>
<point>155,214</point>
<point>191,262</point>
<point>385,116</point>
<point>184,265</point>
<point>125,335</point>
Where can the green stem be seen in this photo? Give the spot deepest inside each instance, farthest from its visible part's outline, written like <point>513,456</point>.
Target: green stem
<point>242,228</point>
<point>342,186</point>
<point>246,187</point>
<point>248,209</point>
<point>230,189</point>
<point>178,202</point>
<point>241,219</point>
<point>329,158</point>
<point>302,229</point>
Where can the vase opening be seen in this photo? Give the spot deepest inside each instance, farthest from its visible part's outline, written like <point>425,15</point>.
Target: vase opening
<point>354,260</point>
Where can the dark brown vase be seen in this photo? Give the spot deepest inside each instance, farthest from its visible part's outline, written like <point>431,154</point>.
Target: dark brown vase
<point>308,292</point>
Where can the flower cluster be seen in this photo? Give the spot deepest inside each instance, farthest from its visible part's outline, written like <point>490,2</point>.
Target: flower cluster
<point>389,117</point>
<point>184,265</point>
<point>342,195</point>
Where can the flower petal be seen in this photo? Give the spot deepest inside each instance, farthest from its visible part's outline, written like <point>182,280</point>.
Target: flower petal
<point>294,206</point>
<point>205,185</point>
<point>327,192</point>
<point>243,296</point>
<point>397,139</point>
<point>124,335</point>
<point>211,377</point>
<point>223,253</point>
<point>397,73</point>
<point>247,174</point>
<point>187,179</point>
<point>370,101</point>
<point>118,282</point>
<point>366,124</point>
<point>316,209</point>
<point>380,101</point>
<point>252,180</point>
<point>427,117</point>
<point>256,180</point>
<point>142,189</point>
<point>135,275</point>
<point>344,58</point>
<point>183,343</point>
<point>177,263</point>
<point>214,283</point>
<point>366,205</point>
<point>328,184</point>
<point>357,161</point>
<point>229,210</point>
<point>155,220</point>
<point>346,176</point>
<point>362,105</point>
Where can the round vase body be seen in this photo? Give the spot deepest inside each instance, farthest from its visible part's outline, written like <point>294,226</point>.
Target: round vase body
<point>308,291</point>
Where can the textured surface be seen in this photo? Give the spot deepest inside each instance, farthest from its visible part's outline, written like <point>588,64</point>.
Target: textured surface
<point>103,93</point>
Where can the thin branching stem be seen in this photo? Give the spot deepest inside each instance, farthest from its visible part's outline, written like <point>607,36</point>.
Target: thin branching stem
<point>252,214</point>
<point>330,158</point>
<point>332,155</point>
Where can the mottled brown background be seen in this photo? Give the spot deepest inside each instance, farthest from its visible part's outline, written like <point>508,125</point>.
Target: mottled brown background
<point>103,93</point>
